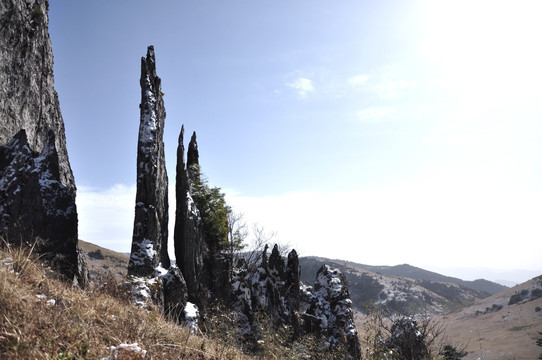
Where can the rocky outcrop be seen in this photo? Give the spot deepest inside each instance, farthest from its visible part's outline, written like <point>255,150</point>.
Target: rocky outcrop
<point>28,99</point>
<point>149,241</point>
<point>269,289</point>
<point>188,237</point>
<point>198,251</point>
<point>37,188</point>
<point>275,289</point>
<point>330,313</point>
<point>154,280</point>
<point>36,205</point>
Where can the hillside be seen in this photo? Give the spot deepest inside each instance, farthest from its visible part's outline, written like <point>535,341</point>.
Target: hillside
<point>403,289</point>
<point>416,273</point>
<point>102,261</point>
<point>42,317</point>
<point>502,326</point>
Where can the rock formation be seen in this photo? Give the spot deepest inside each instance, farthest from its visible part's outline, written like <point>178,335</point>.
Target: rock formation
<point>28,99</point>
<point>274,288</point>
<point>199,254</point>
<point>155,279</point>
<point>37,188</point>
<point>188,237</point>
<point>271,287</point>
<point>149,241</point>
<point>330,313</point>
<point>35,205</point>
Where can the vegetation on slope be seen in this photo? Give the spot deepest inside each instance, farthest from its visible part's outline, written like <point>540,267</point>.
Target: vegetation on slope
<point>42,317</point>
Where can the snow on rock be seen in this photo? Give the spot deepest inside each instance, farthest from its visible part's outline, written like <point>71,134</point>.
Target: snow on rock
<point>144,291</point>
<point>269,287</point>
<point>191,314</point>
<point>166,289</point>
<point>274,287</point>
<point>149,240</point>
<point>37,206</point>
<point>330,312</point>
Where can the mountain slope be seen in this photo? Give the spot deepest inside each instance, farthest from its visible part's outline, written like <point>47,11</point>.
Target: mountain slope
<point>502,326</point>
<point>402,289</point>
<point>416,273</point>
<point>101,261</point>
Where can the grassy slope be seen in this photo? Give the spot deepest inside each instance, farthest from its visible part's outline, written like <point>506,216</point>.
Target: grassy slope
<point>114,262</point>
<point>83,323</point>
<point>494,333</point>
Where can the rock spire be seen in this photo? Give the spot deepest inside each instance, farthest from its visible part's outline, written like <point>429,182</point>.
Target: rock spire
<point>149,241</point>
<point>28,99</point>
<point>37,188</point>
<point>188,237</point>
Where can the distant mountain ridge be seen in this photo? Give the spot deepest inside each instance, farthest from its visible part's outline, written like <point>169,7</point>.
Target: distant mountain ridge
<point>416,273</point>
<point>404,288</point>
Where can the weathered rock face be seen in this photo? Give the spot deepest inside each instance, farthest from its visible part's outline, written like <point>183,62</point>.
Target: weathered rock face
<point>28,99</point>
<point>330,313</point>
<point>270,289</point>
<point>275,288</point>
<point>37,184</point>
<point>149,241</point>
<point>199,255</point>
<point>188,237</point>
<point>35,205</point>
<point>154,279</point>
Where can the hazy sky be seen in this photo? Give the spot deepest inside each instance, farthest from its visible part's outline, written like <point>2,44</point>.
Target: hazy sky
<point>382,132</point>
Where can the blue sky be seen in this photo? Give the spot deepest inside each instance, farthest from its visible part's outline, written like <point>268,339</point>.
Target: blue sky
<point>381,132</point>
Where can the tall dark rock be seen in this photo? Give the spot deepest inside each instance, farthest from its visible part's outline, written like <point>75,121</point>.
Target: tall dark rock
<point>199,253</point>
<point>35,205</point>
<point>28,99</point>
<point>149,241</point>
<point>188,237</point>
<point>192,156</point>
<point>156,280</point>
<point>37,188</point>
<point>293,282</point>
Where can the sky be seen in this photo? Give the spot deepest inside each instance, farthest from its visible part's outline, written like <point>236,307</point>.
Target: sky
<point>381,132</point>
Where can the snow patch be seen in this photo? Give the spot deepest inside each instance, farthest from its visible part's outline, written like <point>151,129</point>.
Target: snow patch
<point>191,314</point>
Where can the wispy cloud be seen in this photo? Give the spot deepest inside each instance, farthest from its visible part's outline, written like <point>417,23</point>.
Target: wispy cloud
<point>303,86</point>
<point>375,114</point>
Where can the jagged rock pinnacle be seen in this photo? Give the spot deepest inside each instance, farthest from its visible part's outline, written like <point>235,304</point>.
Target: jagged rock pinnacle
<point>193,154</point>
<point>28,99</point>
<point>37,188</point>
<point>149,241</point>
<point>188,239</point>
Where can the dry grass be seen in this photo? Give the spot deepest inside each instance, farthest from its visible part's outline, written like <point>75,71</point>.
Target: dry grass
<point>83,324</point>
